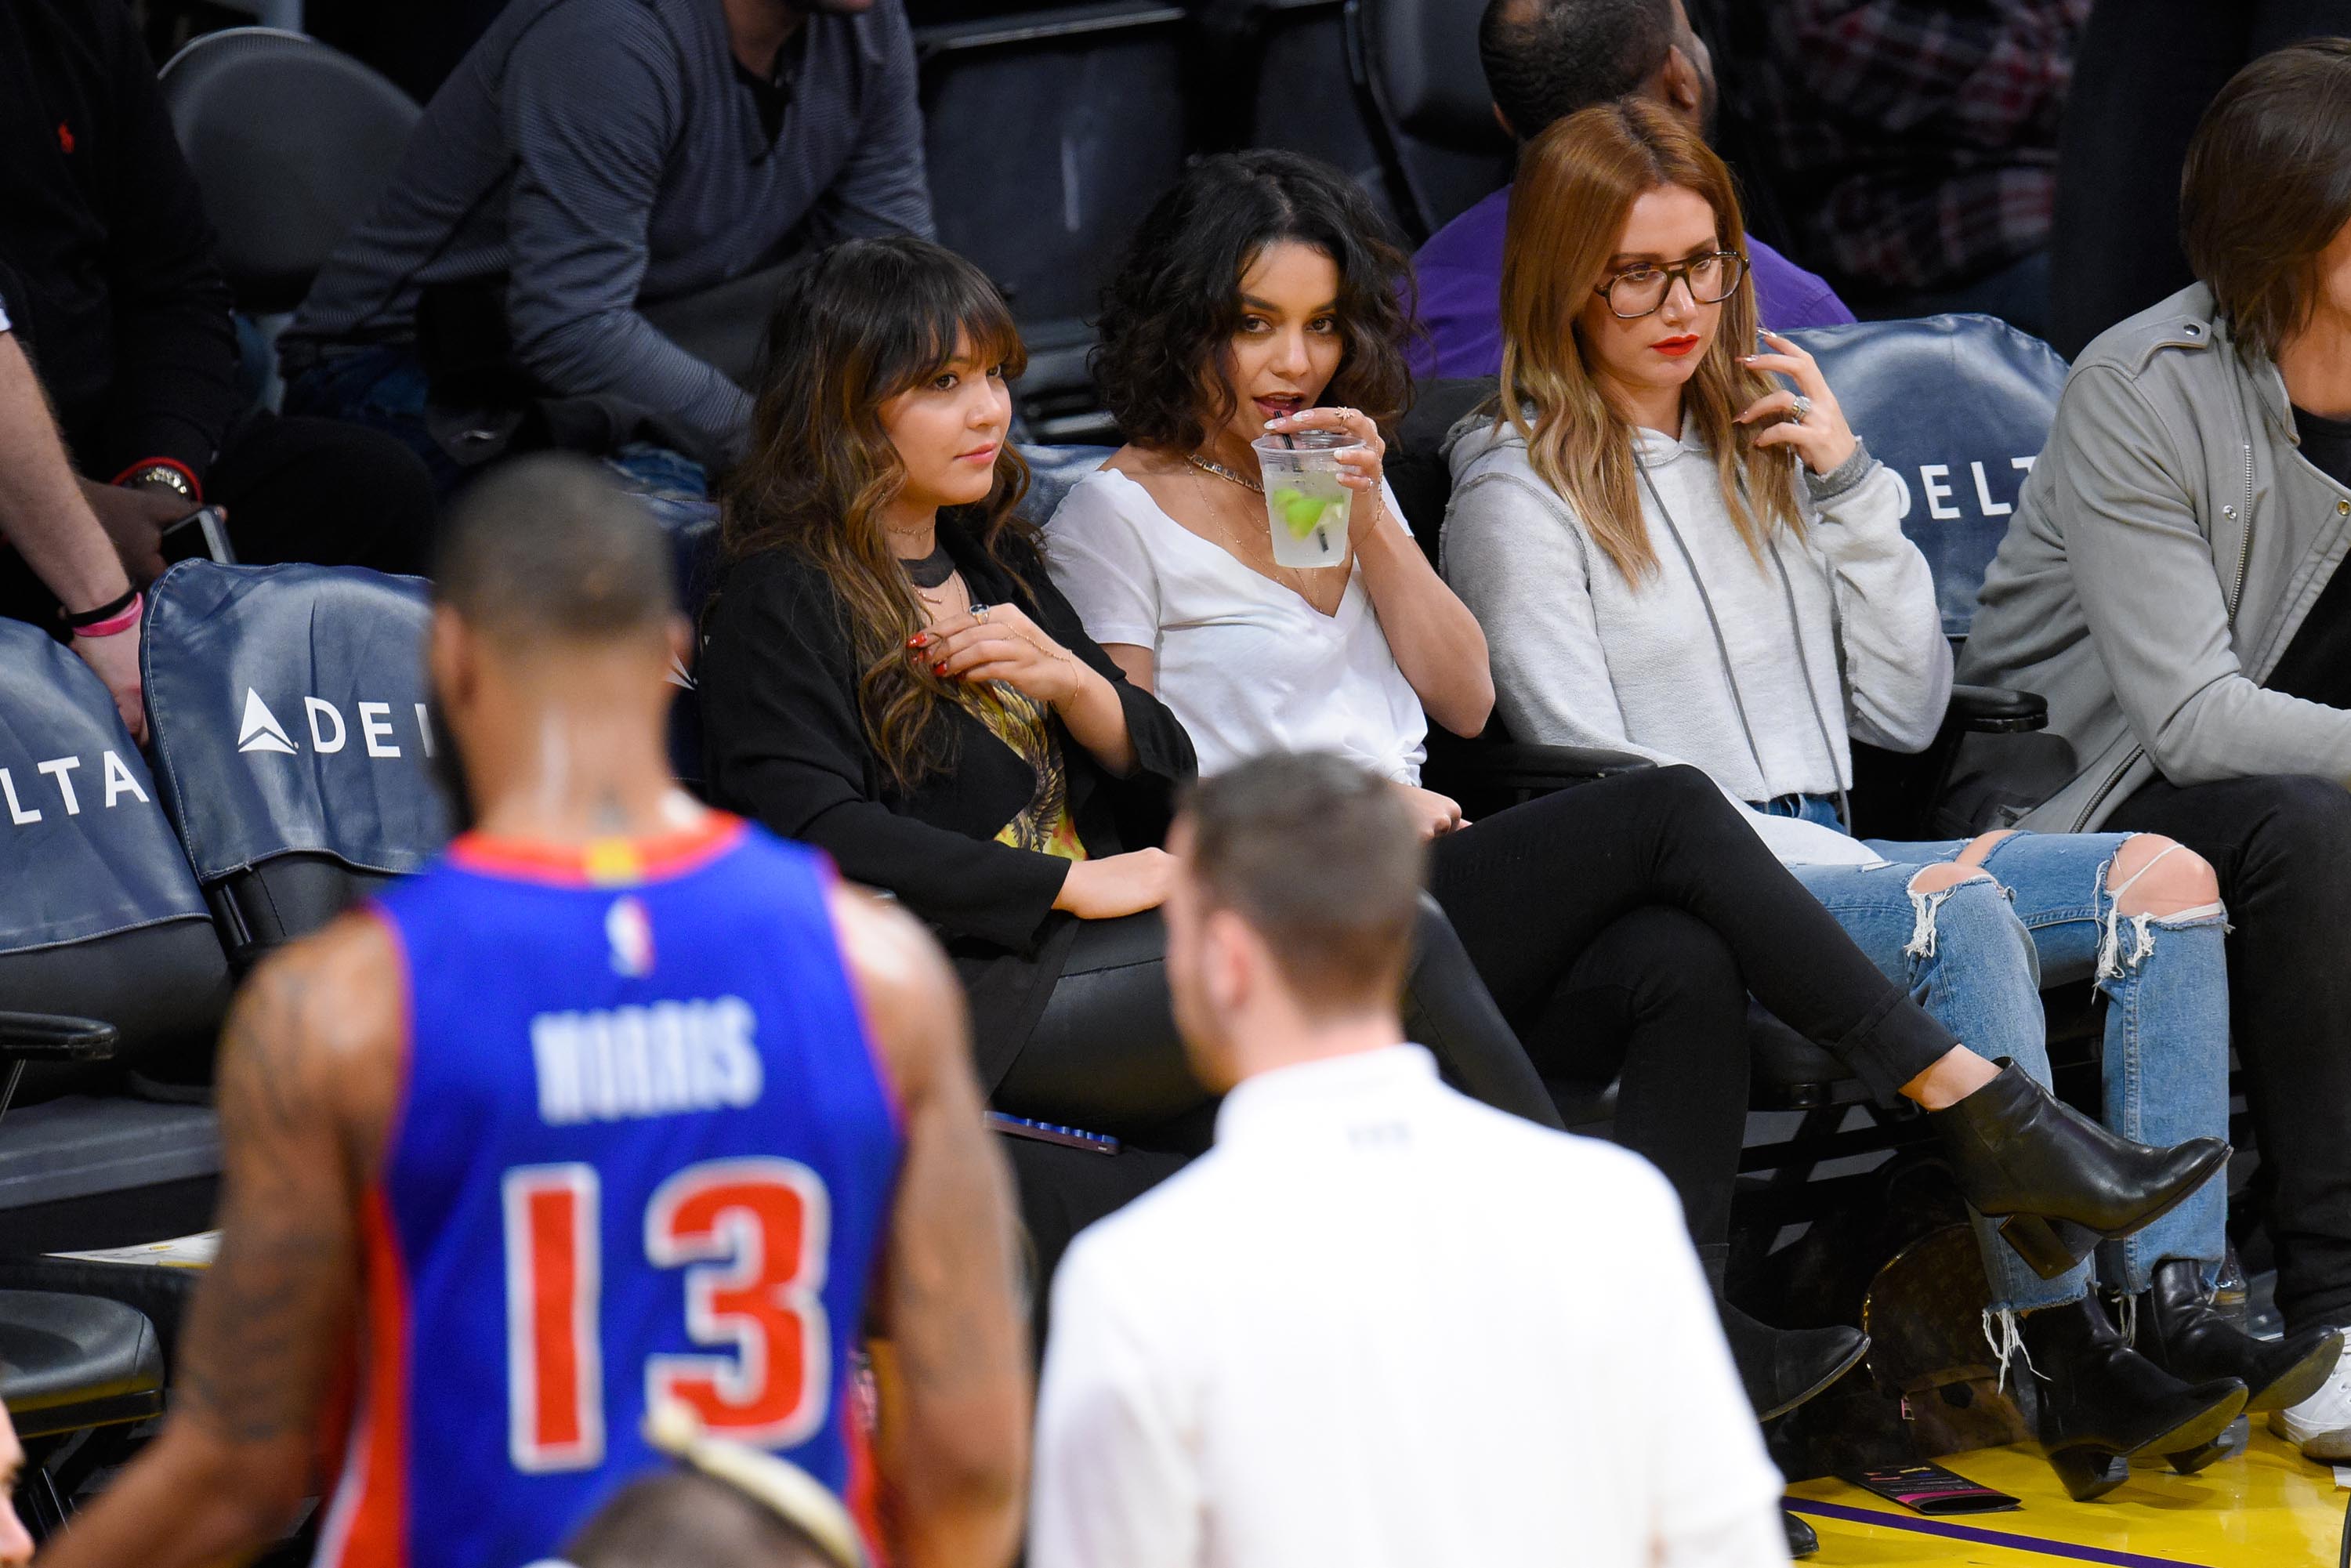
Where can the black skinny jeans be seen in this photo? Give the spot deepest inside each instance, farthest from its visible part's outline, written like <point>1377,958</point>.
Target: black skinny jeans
<point>1617,926</point>
<point>2281,847</point>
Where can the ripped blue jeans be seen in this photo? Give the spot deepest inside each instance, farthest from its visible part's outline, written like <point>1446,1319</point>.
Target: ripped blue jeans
<point>1980,953</point>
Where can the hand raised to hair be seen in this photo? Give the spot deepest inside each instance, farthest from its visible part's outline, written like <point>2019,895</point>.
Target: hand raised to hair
<point>1821,438</point>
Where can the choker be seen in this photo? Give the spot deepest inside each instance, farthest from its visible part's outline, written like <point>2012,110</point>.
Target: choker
<point>932,569</point>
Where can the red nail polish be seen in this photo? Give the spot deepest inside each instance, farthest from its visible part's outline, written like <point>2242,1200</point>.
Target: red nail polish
<point>919,640</point>
<point>939,669</point>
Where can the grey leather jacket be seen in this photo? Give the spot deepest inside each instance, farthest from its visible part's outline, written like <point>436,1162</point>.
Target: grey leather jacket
<point>2165,551</point>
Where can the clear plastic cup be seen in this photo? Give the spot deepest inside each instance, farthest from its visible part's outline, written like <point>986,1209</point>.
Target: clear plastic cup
<point>1305,504</point>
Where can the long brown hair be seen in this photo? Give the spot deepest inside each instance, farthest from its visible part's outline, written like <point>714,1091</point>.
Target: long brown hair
<point>1576,185</point>
<point>862,322</point>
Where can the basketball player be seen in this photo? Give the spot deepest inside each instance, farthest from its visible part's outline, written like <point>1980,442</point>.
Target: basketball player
<point>622,1103</point>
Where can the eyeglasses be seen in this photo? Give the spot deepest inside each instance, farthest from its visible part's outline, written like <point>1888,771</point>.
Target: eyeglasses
<point>1638,291</point>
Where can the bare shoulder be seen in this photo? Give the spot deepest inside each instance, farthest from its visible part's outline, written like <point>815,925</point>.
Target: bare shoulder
<point>912,1000</point>
<point>319,1028</point>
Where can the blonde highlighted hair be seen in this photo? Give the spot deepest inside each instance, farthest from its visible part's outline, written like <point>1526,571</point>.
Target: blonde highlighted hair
<point>1576,185</point>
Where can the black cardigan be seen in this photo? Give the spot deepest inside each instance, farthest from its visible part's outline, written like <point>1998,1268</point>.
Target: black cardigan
<point>784,743</point>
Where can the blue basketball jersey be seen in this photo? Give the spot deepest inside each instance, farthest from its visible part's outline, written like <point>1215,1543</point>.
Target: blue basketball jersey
<point>644,1155</point>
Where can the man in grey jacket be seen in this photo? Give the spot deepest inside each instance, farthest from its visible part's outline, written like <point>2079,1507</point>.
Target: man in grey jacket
<point>2170,583</point>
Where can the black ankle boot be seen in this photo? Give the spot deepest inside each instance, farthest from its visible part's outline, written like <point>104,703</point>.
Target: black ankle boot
<point>1802,1541</point>
<point>1780,1368</point>
<point>2183,1333</point>
<point>2064,1181</point>
<point>2101,1402</point>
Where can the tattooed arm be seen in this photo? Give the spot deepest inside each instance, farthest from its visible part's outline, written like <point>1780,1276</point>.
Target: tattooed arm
<point>953,1363</point>
<point>308,1070</point>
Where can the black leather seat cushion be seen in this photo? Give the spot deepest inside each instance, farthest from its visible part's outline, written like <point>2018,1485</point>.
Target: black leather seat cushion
<point>68,1361</point>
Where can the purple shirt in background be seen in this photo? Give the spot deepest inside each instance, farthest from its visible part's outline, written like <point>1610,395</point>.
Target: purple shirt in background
<point>1460,272</point>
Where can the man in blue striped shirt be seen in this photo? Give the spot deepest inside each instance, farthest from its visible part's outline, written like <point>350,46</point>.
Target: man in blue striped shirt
<point>591,158</point>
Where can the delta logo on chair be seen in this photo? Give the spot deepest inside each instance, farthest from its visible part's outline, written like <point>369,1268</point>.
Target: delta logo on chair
<point>259,728</point>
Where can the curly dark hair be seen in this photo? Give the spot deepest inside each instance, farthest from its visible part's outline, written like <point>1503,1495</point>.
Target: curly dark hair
<point>854,326</point>
<point>1173,304</point>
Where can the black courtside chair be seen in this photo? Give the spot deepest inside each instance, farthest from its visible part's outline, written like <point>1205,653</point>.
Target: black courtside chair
<point>106,952</point>
<point>1421,96</point>
<point>293,748</point>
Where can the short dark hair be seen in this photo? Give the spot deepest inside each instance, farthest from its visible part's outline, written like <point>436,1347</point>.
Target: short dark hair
<point>2268,186</point>
<point>1545,59</point>
<point>683,1519</point>
<point>550,546</point>
<point>1320,856</point>
<point>1173,303</point>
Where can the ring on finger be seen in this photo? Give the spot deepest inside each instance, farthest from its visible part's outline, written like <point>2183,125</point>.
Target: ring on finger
<point>978,612</point>
<point>1802,409</point>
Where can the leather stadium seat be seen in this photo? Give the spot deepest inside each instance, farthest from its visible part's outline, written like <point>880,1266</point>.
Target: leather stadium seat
<point>292,142</point>
<point>288,705</point>
<point>1957,407</point>
<point>1426,103</point>
<point>69,1362</point>
<point>105,941</point>
<point>1048,133</point>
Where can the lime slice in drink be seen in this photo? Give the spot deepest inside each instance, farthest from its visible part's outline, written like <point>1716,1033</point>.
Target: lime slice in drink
<point>1302,512</point>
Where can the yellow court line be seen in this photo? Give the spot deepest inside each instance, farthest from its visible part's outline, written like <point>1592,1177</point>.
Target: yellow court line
<point>2269,1508</point>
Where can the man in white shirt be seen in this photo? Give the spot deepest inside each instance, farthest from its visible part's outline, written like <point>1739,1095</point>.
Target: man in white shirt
<point>1379,1323</point>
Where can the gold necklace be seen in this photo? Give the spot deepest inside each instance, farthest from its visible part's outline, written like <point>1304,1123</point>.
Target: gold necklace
<point>1221,472</point>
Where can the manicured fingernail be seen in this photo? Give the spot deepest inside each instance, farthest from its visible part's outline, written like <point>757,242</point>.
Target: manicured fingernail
<point>939,669</point>
<point>919,640</point>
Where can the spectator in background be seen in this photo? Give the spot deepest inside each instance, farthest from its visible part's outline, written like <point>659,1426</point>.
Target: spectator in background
<point>591,158</point>
<point>107,264</point>
<point>1261,1363</point>
<point>55,557</point>
<point>2147,71</point>
<point>1915,144</point>
<point>2171,582</point>
<point>1544,60</point>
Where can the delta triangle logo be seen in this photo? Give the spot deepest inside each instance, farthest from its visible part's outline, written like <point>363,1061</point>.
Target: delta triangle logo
<point>261,731</point>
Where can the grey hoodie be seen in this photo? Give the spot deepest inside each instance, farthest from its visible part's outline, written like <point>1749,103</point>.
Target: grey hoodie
<point>2164,552</point>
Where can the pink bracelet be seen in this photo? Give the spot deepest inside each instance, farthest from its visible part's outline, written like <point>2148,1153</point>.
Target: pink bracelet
<point>115,625</point>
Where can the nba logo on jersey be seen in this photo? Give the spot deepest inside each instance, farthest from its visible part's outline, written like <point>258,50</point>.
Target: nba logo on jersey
<point>631,1170</point>
<point>631,931</point>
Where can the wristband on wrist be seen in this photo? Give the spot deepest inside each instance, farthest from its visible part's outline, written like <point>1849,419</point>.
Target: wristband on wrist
<point>167,471</point>
<point>110,620</point>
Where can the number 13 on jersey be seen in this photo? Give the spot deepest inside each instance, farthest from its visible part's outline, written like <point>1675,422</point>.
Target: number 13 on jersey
<point>752,1236</point>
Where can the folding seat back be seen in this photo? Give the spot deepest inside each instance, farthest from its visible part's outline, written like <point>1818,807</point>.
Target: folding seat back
<point>1426,102</point>
<point>101,918</point>
<point>294,750</point>
<point>1957,407</point>
<point>105,948</point>
<point>292,142</point>
<point>1048,133</point>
